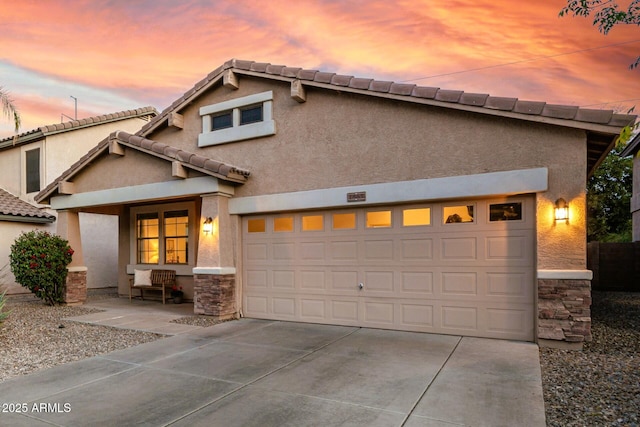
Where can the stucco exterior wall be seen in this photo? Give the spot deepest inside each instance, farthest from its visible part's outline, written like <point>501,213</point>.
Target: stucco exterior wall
<point>10,167</point>
<point>330,141</point>
<point>63,149</point>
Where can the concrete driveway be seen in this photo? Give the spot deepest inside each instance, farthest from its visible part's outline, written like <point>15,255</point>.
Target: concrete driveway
<point>269,373</point>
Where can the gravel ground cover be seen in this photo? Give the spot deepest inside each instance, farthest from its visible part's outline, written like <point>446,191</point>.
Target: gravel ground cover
<point>600,384</point>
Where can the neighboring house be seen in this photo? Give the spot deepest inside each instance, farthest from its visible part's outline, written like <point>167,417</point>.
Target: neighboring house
<point>30,161</point>
<point>283,193</point>
<point>632,149</point>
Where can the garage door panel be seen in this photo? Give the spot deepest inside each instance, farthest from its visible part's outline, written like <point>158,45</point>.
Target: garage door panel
<point>417,249</point>
<point>283,251</point>
<point>379,281</point>
<point>312,280</point>
<point>344,280</point>
<point>344,251</point>
<point>284,279</point>
<point>511,321</point>
<point>508,248</point>
<point>344,310</point>
<point>256,279</point>
<point>508,284</point>
<point>312,251</point>
<point>378,313</point>
<point>416,315</point>
<point>376,250</point>
<point>313,309</point>
<point>459,318</point>
<point>420,282</point>
<point>256,251</point>
<point>458,248</point>
<point>257,305</point>
<point>283,307</point>
<point>475,278</point>
<point>459,283</point>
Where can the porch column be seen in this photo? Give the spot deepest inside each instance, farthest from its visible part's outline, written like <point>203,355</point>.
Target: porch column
<point>68,227</point>
<point>214,291</point>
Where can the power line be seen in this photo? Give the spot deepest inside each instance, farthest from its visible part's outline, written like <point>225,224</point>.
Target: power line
<point>521,61</point>
<point>612,102</point>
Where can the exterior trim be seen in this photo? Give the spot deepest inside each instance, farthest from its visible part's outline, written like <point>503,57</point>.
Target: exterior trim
<point>29,219</point>
<point>480,185</point>
<point>565,274</point>
<point>145,192</point>
<point>214,270</point>
<point>77,269</point>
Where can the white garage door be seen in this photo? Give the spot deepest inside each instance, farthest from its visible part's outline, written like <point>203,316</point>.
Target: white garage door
<point>462,267</point>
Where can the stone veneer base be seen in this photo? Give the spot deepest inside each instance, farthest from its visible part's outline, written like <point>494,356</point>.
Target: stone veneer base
<point>564,311</point>
<point>75,292</point>
<point>215,295</point>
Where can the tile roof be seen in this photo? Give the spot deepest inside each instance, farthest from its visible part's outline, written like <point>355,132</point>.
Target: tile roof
<point>564,115</point>
<point>43,131</point>
<point>190,160</point>
<point>602,126</point>
<point>18,210</point>
<point>158,149</point>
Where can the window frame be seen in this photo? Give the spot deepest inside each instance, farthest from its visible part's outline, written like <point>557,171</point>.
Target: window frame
<point>239,130</point>
<point>161,210</point>
<point>24,187</point>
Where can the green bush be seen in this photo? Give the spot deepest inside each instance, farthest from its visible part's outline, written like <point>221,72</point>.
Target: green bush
<point>39,262</point>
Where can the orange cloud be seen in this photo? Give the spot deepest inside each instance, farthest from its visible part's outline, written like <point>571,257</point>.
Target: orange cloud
<point>153,51</point>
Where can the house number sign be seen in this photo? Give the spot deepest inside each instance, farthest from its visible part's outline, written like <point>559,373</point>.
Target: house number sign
<point>359,196</point>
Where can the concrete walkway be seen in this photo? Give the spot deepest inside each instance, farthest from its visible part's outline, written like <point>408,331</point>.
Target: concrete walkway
<point>269,373</point>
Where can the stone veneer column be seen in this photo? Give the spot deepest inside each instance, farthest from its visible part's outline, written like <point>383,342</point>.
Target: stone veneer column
<point>75,292</point>
<point>564,308</point>
<point>68,227</point>
<point>215,295</point>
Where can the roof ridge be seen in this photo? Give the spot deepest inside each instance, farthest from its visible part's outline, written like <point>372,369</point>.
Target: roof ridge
<point>88,121</point>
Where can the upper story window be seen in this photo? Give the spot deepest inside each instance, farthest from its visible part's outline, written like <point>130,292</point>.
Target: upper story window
<point>237,119</point>
<point>32,168</point>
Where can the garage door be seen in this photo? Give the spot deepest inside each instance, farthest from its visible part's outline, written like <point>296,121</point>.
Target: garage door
<point>463,267</point>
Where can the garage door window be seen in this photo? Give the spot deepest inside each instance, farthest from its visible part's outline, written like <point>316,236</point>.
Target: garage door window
<point>457,214</point>
<point>379,219</point>
<point>283,224</point>
<point>256,225</point>
<point>416,217</point>
<point>312,223</point>
<point>344,221</point>
<point>505,212</point>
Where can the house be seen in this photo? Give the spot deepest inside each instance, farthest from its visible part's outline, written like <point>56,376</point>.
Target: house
<point>632,149</point>
<point>31,160</point>
<point>285,193</point>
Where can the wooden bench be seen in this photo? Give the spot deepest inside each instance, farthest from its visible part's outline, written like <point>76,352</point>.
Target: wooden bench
<point>161,280</point>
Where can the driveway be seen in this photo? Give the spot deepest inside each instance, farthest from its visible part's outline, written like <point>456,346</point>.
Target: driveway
<point>269,373</point>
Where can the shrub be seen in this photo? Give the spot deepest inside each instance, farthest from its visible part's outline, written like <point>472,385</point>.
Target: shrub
<point>39,262</point>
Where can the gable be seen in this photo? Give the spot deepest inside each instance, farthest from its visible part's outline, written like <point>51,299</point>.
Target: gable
<point>601,127</point>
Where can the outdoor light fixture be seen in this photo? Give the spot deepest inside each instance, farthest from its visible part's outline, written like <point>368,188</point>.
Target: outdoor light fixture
<point>207,227</point>
<point>562,210</point>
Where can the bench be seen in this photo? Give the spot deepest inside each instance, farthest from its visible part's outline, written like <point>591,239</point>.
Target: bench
<point>160,281</point>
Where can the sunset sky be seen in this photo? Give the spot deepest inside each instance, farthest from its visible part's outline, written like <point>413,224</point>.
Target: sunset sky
<point>114,55</point>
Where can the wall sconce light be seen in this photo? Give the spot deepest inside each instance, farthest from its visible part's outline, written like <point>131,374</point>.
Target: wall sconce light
<point>562,210</point>
<point>207,227</point>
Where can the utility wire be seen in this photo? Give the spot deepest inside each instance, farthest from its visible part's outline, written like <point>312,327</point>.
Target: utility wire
<point>521,61</point>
